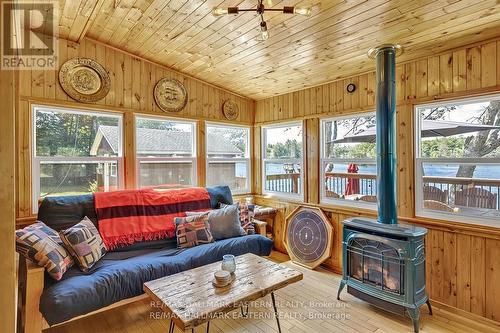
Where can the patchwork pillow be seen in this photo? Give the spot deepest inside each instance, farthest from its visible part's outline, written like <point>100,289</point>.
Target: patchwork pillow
<point>246,217</point>
<point>192,231</point>
<point>84,243</point>
<point>43,246</point>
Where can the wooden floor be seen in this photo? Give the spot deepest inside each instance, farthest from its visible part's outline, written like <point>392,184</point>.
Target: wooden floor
<point>306,306</point>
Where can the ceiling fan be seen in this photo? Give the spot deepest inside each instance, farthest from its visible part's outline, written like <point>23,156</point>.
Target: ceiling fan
<point>261,9</point>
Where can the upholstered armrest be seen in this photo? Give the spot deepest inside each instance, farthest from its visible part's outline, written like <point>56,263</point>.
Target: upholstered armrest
<point>34,321</point>
<point>260,227</point>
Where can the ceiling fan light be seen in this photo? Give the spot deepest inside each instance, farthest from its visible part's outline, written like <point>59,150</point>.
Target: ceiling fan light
<point>306,11</point>
<point>264,35</point>
<point>219,11</point>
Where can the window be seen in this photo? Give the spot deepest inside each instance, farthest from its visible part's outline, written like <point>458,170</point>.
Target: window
<point>166,154</point>
<point>282,159</point>
<point>75,152</point>
<point>348,160</point>
<point>228,157</point>
<point>458,160</point>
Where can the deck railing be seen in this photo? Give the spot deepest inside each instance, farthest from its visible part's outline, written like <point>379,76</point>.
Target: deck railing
<point>285,182</point>
<point>451,186</point>
<point>337,182</point>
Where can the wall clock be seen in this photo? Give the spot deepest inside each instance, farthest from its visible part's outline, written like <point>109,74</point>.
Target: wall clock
<point>84,80</point>
<point>230,110</point>
<point>308,236</point>
<point>170,95</point>
<point>351,87</point>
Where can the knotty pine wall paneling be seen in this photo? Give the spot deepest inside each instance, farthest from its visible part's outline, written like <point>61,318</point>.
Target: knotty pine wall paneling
<point>463,261</point>
<point>132,83</point>
<point>8,97</point>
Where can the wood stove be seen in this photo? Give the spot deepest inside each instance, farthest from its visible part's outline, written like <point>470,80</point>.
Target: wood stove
<point>384,264</point>
<point>383,261</point>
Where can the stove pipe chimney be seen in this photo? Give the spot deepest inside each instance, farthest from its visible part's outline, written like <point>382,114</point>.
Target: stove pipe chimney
<point>385,56</point>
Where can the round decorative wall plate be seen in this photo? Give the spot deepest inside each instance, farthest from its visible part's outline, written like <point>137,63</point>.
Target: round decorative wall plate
<point>84,80</point>
<point>170,95</point>
<point>230,110</point>
<point>308,236</point>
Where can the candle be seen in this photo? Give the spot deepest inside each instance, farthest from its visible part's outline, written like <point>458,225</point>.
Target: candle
<point>229,263</point>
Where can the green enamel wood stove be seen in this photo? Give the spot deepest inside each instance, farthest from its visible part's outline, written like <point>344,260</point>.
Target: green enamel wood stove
<point>383,260</point>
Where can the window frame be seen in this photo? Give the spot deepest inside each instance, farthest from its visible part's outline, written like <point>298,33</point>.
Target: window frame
<point>246,159</point>
<point>420,211</point>
<point>264,160</point>
<point>323,159</point>
<point>152,159</point>
<point>36,161</point>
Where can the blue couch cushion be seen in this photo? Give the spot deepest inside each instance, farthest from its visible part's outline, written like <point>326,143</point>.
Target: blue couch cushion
<point>218,195</point>
<point>121,275</point>
<point>61,213</point>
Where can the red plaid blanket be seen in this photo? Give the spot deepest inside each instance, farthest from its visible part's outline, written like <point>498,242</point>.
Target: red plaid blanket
<point>130,216</point>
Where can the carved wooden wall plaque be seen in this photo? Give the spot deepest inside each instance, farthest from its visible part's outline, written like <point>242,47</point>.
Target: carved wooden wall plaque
<point>170,95</point>
<point>84,80</point>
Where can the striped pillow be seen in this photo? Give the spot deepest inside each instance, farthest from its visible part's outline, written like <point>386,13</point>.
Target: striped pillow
<point>43,246</point>
<point>84,243</point>
<point>192,231</point>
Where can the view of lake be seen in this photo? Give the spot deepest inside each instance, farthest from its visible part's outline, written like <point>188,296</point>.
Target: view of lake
<point>443,170</point>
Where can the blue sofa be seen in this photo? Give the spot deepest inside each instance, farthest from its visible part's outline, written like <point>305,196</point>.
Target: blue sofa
<point>120,274</point>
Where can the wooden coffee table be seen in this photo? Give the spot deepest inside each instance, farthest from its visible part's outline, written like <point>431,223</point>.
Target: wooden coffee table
<point>190,299</point>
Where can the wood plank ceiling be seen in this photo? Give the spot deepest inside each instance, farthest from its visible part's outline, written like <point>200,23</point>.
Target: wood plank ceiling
<point>300,52</point>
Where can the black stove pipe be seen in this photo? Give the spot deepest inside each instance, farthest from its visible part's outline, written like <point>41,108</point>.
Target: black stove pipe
<point>385,56</point>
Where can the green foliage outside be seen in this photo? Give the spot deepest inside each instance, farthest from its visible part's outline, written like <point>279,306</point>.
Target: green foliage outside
<point>361,150</point>
<point>288,149</point>
<point>451,147</point>
<point>66,134</point>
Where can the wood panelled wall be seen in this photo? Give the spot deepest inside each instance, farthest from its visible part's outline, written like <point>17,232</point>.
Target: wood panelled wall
<point>8,90</point>
<point>463,261</point>
<point>132,83</point>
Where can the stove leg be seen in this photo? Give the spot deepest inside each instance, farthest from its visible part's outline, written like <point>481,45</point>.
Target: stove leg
<point>415,318</point>
<point>341,287</point>
<point>429,306</point>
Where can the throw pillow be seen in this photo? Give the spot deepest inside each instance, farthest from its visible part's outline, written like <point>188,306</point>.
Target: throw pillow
<point>201,212</point>
<point>225,222</point>
<point>84,243</point>
<point>220,194</point>
<point>43,246</point>
<point>246,217</point>
<point>192,231</point>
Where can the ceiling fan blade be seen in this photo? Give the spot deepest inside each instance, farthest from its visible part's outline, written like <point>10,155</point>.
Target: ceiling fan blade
<point>269,3</point>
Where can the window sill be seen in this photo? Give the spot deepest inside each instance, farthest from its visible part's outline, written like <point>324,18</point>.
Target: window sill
<point>298,198</point>
<point>475,229</point>
<point>458,219</point>
<point>481,230</point>
<point>349,204</point>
